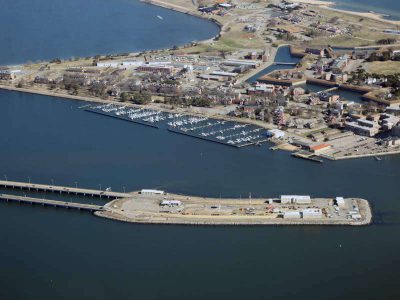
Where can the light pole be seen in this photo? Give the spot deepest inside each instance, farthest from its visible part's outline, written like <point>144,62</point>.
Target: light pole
<point>76,184</point>
<point>100,186</point>
<point>5,176</point>
<point>124,189</point>
<point>29,179</point>
<point>52,181</point>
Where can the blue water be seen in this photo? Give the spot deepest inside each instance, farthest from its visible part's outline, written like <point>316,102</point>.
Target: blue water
<point>386,7</point>
<point>347,95</point>
<point>282,55</point>
<point>43,29</point>
<point>58,254</point>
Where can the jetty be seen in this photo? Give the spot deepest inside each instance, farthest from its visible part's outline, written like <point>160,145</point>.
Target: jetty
<point>307,155</point>
<point>99,112</point>
<point>62,189</point>
<point>52,203</point>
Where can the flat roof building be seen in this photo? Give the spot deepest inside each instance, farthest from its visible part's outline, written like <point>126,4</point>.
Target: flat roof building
<point>311,213</point>
<point>295,199</point>
<point>170,203</point>
<point>320,148</point>
<point>151,192</point>
<point>340,201</point>
<point>291,215</point>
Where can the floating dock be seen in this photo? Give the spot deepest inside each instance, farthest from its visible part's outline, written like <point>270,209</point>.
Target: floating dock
<point>187,125</point>
<point>200,137</point>
<point>216,140</point>
<point>96,111</point>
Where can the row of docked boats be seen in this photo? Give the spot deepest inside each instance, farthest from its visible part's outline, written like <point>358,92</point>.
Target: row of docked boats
<point>221,131</point>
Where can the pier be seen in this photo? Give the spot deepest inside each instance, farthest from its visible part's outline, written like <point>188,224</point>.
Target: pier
<point>307,155</point>
<point>62,189</point>
<point>52,203</point>
<point>90,109</point>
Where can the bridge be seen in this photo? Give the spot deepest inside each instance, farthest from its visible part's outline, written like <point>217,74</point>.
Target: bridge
<point>53,203</point>
<point>335,88</point>
<point>284,63</point>
<point>62,189</point>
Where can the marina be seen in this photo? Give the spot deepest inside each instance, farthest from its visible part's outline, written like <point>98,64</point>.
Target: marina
<point>223,132</point>
<point>140,116</point>
<point>290,249</point>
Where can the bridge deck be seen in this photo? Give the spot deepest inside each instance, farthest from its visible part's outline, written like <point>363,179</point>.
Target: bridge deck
<point>62,189</point>
<point>54,203</point>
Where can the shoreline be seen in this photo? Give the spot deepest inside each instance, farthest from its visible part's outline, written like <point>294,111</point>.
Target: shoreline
<point>95,100</point>
<point>331,5</point>
<point>187,11</point>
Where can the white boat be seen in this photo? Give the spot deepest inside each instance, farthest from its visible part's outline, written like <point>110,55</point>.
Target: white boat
<point>161,18</point>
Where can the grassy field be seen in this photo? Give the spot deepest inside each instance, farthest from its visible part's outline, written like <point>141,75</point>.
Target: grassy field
<point>383,67</point>
<point>365,31</point>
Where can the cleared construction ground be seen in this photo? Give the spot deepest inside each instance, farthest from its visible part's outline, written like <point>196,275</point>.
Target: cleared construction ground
<point>188,210</point>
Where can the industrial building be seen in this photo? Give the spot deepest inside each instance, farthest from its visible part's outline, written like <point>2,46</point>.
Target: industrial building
<point>241,62</point>
<point>165,69</point>
<point>362,128</point>
<point>311,213</point>
<point>295,199</point>
<point>170,203</point>
<point>291,215</point>
<point>151,192</point>
<point>340,201</point>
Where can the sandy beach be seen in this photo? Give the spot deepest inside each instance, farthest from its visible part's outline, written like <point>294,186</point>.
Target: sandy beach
<point>330,5</point>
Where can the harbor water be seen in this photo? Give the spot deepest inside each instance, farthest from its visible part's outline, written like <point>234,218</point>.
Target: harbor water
<point>389,8</point>
<point>64,254</point>
<point>51,253</point>
<point>44,29</point>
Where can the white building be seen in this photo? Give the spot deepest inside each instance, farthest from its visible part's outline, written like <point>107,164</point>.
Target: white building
<point>151,192</point>
<point>171,203</point>
<point>340,201</point>
<point>295,199</point>
<point>107,64</point>
<point>276,133</point>
<point>291,215</point>
<point>132,63</point>
<point>311,213</point>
